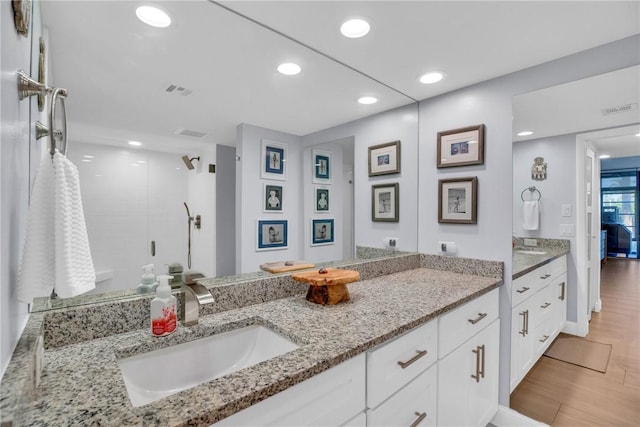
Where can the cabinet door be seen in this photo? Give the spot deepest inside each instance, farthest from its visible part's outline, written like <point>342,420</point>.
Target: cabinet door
<point>468,381</point>
<point>522,330</point>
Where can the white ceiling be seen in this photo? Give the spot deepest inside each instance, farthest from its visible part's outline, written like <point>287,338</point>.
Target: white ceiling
<point>116,68</point>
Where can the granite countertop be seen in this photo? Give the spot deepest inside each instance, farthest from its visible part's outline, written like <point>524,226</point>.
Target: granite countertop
<point>528,258</point>
<point>81,383</point>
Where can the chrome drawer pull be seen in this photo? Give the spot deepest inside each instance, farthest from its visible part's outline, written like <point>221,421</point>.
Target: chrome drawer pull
<point>479,351</point>
<point>546,276</point>
<point>561,297</point>
<point>544,338</point>
<point>523,290</point>
<point>477,319</point>
<point>525,321</point>
<point>546,304</point>
<point>419,354</point>
<point>421,416</point>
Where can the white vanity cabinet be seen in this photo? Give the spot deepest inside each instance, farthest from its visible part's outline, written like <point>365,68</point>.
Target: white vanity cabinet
<point>334,397</point>
<point>538,315</point>
<point>401,379</point>
<point>469,341</point>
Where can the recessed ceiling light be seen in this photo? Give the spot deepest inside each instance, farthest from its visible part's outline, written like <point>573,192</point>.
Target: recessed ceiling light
<point>355,28</point>
<point>86,156</point>
<point>525,133</point>
<point>289,69</point>
<point>135,143</point>
<point>367,100</point>
<point>431,77</point>
<point>153,16</point>
<point>605,156</point>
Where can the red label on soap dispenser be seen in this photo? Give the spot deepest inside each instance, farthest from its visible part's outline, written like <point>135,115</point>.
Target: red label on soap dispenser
<point>167,323</point>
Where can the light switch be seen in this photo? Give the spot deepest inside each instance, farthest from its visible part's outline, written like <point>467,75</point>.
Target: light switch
<point>567,230</point>
<point>566,210</point>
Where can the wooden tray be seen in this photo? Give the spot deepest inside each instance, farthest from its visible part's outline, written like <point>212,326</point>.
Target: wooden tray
<point>280,267</point>
<point>328,287</point>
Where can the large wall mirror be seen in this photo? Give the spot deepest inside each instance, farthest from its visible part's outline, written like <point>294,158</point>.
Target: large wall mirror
<point>185,94</point>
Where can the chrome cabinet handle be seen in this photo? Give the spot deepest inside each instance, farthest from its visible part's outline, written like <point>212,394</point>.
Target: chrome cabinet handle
<point>561,297</point>
<point>525,321</point>
<point>544,338</point>
<point>477,319</point>
<point>153,248</point>
<point>523,290</point>
<point>545,305</point>
<point>526,324</point>
<point>419,354</point>
<point>421,416</point>
<point>546,276</point>
<point>479,352</point>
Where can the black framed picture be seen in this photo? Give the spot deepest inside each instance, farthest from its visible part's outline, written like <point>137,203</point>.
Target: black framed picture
<point>384,159</point>
<point>322,200</point>
<point>457,200</point>
<point>272,198</point>
<point>385,202</point>
<point>321,167</point>
<point>322,232</point>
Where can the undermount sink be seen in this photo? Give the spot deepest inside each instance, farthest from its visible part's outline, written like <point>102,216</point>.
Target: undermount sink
<point>530,252</point>
<point>160,373</point>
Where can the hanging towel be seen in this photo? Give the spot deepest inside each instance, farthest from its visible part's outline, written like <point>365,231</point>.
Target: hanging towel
<point>531,213</point>
<point>37,270</point>
<point>56,252</point>
<point>74,269</point>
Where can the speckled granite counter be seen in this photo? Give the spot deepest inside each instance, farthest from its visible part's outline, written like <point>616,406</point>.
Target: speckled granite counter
<point>528,258</point>
<point>82,385</point>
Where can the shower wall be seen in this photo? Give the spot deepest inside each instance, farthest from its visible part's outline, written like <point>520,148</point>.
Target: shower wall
<point>132,197</point>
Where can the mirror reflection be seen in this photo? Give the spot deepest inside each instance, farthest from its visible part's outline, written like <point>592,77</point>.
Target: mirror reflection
<point>166,127</point>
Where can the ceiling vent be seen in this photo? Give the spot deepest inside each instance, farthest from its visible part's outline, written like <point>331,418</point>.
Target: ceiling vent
<point>178,90</point>
<point>191,133</point>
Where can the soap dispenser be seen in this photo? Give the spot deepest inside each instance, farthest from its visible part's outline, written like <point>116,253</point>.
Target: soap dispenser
<point>163,309</point>
<point>147,280</point>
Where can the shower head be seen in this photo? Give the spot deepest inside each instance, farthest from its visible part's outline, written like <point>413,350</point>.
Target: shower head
<point>188,162</point>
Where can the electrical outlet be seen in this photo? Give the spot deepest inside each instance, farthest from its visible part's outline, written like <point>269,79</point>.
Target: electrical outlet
<point>448,248</point>
<point>530,242</point>
<point>391,242</point>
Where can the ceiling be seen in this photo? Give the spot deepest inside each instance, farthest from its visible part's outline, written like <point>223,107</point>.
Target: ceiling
<point>116,69</point>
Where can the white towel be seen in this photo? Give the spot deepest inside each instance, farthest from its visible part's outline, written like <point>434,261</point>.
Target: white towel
<point>56,251</point>
<point>37,275</point>
<point>531,214</point>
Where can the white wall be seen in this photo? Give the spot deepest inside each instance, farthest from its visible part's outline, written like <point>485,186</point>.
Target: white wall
<point>249,194</point>
<point>490,103</point>
<point>15,152</point>
<point>398,124</point>
<point>558,189</point>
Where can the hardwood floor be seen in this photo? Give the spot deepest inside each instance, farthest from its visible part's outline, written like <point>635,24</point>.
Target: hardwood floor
<point>562,394</point>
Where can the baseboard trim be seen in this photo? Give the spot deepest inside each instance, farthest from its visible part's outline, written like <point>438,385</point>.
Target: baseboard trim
<point>571,328</point>
<point>508,417</point>
<point>598,306</point>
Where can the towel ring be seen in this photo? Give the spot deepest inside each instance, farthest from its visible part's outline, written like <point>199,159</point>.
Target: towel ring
<point>532,189</point>
<point>53,134</point>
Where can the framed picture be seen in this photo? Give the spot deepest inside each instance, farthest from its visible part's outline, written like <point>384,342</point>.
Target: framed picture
<point>385,205</point>
<point>322,232</point>
<point>457,200</point>
<point>272,198</point>
<point>461,147</point>
<point>273,162</point>
<point>272,234</point>
<point>321,166</point>
<point>322,200</point>
<point>384,159</point>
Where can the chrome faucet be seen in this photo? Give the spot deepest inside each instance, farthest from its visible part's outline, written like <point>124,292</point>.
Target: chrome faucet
<point>195,295</point>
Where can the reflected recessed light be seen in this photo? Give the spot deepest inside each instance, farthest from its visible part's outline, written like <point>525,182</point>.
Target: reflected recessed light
<point>141,162</point>
<point>153,16</point>
<point>355,28</point>
<point>525,133</point>
<point>367,100</point>
<point>432,77</point>
<point>87,160</point>
<point>605,156</point>
<point>289,69</point>
<point>135,143</point>
<point>637,134</point>
<point>88,157</point>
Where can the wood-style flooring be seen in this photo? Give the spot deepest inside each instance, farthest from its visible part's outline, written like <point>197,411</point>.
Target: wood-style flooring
<point>561,394</point>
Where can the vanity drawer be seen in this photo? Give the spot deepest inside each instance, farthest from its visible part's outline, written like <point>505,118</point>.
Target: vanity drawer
<point>416,401</point>
<point>392,365</point>
<point>462,323</point>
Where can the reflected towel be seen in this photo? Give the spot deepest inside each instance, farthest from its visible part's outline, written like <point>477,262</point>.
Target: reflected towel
<point>37,272</point>
<point>531,214</point>
<point>56,252</point>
